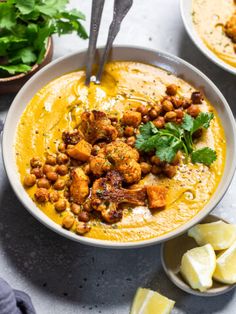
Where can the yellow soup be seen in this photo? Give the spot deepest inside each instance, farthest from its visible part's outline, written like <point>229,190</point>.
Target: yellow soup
<point>57,107</point>
<point>209,18</point>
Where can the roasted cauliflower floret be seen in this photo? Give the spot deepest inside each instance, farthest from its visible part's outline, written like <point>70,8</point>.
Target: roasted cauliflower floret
<point>230,27</point>
<point>117,156</point>
<point>96,126</point>
<point>79,189</point>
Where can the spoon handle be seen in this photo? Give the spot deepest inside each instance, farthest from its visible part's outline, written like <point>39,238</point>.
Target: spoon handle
<point>97,8</point>
<point>121,8</point>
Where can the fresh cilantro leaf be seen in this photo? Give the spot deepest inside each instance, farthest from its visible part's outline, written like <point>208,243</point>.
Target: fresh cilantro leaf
<point>203,120</point>
<point>167,147</point>
<point>72,15</point>
<point>7,16</point>
<point>52,7</point>
<point>146,132</point>
<point>13,69</point>
<point>187,123</point>
<point>204,155</point>
<point>174,129</point>
<point>10,43</point>
<point>25,55</point>
<point>25,6</point>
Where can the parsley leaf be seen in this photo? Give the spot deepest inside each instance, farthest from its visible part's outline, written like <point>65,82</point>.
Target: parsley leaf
<point>7,16</point>
<point>13,69</point>
<point>25,6</point>
<point>202,120</point>
<point>25,55</point>
<point>146,131</point>
<point>204,155</point>
<point>167,147</point>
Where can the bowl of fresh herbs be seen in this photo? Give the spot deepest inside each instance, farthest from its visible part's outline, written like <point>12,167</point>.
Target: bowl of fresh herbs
<point>26,44</point>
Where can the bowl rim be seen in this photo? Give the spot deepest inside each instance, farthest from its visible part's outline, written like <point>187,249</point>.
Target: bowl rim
<point>44,219</point>
<point>199,43</point>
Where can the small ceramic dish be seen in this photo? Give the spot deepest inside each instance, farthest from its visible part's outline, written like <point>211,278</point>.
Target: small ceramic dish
<point>171,255</point>
<point>187,17</point>
<point>12,84</point>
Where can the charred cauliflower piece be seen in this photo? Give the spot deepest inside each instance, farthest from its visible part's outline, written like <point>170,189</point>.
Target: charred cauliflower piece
<point>117,156</point>
<point>107,194</point>
<point>79,189</point>
<point>230,27</point>
<point>95,126</point>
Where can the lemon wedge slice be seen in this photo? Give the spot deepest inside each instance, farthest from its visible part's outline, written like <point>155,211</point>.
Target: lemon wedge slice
<point>198,266</point>
<point>150,302</point>
<point>226,266</point>
<point>219,234</point>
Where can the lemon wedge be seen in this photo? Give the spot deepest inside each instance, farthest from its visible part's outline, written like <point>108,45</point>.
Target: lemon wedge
<point>150,302</point>
<point>219,234</point>
<point>226,266</point>
<point>198,266</point>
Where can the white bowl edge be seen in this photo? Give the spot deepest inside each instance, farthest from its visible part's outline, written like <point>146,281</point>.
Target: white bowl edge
<point>75,61</point>
<point>186,14</point>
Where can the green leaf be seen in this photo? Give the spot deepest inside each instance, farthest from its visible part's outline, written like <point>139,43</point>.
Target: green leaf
<point>7,16</point>
<point>52,7</point>
<point>167,147</point>
<point>146,131</point>
<point>10,42</point>
<point>202,120</point>
<point>73,14</point>
<point>187,123</point>
<point>17,68</point>
<point>40,42</point>
<point>25,6</point>
<point>25,55</point>
<point>173,128</point>
<point>204,155</point>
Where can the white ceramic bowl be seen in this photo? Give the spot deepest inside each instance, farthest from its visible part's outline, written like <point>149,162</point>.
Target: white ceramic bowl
<point>77,60</point>
<point>186,13</point>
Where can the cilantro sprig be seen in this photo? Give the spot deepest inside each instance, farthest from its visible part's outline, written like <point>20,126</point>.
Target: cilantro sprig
<point>168,141</point>
<point>26,25</point>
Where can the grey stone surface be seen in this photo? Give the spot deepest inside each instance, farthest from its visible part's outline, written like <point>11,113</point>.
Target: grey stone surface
<point>64,277</point>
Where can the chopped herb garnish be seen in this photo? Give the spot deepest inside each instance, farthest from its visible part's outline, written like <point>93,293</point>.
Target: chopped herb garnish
<point>168,141</point>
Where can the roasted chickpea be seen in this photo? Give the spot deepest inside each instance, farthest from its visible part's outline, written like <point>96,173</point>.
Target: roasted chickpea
<point>75,208</point>
<point>38,172</point>
<point>95,150</point>
<point>179,113</point>
<point>176,159</point>
<point>155,160</point>
<point>51,160</point>
<point>145,167</point>
<point>62,158</point>
<point>167,105</point>
<point>43,183</point>
<point>156,170</point>
<point>68,221</point>
<point>29,180</point>
<point>128,131</point>
<point>53,196</point>
<point>145,119</point>
<point>186,103</point>
<point>62,147</point>
<point>193,110</point>
<point>158,108</point>
<point>66,194</point>
<point>159,122</point>
<point>83,216</point>
<point>142,109</point>
<point>52,176</point>
<point>153,114</point>
<point>177,102</point>
<point>82,228</point>
<point>131,141</point>
<point>170,116</point>
<point>87,206</point>
<point>171,90</point>
<point>60,205</point>
<point>59,184</point>
<point>47,168</point>
<point>62,170</point>
<point>197,133</point>
<point>197,97</point>
<point>35,162</point>
<point>41,195</point>
<point>170,170</point>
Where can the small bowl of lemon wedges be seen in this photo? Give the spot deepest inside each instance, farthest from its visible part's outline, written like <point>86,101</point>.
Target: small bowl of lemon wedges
<point>201,262</point>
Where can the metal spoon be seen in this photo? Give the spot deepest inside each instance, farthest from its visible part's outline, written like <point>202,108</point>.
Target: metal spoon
<point>121,8</point>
